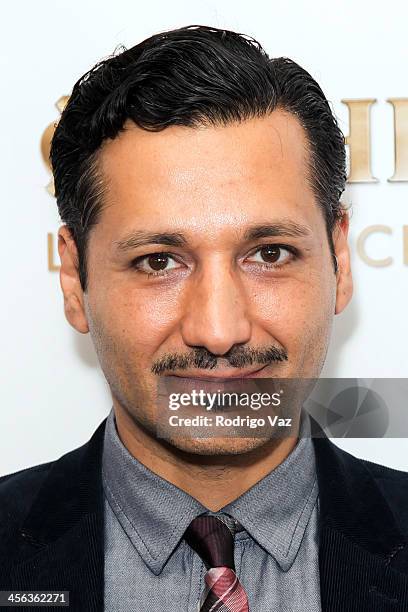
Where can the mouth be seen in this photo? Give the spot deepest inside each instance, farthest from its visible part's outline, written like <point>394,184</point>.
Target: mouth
<point>222,375</point>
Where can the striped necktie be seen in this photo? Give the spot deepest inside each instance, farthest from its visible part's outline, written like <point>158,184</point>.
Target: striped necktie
<point>214,542</point>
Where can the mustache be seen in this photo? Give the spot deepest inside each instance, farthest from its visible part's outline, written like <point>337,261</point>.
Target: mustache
<point>201,358</point>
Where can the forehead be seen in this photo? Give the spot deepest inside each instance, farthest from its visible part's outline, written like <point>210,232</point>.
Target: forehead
<point>256,166</point>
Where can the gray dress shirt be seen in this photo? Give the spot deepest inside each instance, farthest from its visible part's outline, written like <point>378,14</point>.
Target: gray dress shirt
<point>150,568</point>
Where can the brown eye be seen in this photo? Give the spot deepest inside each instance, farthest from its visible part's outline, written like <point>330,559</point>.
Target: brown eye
<point>155,264</point>
<point>158,261</point>
<point>270,253</point>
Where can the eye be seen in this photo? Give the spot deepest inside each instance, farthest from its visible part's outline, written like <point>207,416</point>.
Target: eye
<point>272,255</point>
<point>155,264</point>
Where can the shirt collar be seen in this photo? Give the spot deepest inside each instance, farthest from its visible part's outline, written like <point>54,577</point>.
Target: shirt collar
<point>155,513</point>
<point>277,509</point>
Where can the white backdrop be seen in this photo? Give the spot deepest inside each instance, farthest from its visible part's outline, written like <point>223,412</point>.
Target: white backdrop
<point>53,393</point>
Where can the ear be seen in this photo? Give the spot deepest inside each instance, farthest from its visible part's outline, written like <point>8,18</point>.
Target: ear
<point>69,280</point>
<point>344,279</point>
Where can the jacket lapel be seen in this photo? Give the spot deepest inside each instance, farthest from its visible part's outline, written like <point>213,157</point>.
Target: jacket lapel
<point>62,537</point>
<point>362,553</point>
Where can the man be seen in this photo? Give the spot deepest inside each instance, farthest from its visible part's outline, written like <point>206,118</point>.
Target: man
<point>204,242</point>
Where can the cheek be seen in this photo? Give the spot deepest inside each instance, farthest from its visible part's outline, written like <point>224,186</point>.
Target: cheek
<point>138,320</point>
<point>295,311</point>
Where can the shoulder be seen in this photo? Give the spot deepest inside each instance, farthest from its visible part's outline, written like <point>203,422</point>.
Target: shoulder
<point>387,478</point>
<point>352,489</point>
<point>48,481</point>
<point>39,503</point>
<point>332,459</point>
<point>390,480</point>
<point>17,494</point>
<point>382,471</point>
<point>18,490</point>
<point>393,485</point>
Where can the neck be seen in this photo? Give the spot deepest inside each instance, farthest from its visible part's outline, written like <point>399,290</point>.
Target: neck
<point>214,480</point>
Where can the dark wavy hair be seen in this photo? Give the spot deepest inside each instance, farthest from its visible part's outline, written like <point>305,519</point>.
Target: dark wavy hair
<point>191,76</point>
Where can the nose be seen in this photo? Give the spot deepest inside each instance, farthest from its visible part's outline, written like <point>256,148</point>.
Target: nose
<point>216,314</point>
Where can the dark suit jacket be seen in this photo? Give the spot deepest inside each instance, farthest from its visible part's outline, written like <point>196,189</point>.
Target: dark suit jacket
<point>51,530</point>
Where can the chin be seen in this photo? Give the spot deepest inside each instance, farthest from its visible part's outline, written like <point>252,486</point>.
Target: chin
<point>216,446</point>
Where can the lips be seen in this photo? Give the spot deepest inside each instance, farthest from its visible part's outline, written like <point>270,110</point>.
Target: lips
<point>243,383</point>
<point>221,376</point>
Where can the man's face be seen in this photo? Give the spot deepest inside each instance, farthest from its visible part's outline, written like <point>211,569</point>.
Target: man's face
<point>210,238</point>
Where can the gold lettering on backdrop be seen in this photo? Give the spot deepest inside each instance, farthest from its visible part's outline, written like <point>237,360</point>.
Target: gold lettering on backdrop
<point>405,244</point>
<point>359,140</point>
<point>361,241</point>
<point>400,106</point>
<point>46,142</point>
<point>52,266</point>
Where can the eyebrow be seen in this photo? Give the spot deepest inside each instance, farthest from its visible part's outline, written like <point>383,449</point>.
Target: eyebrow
<point>139,238</point>
<point>287,229</point>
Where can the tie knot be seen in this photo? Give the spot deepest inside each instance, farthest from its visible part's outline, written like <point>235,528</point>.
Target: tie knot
<point>212,540</point>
